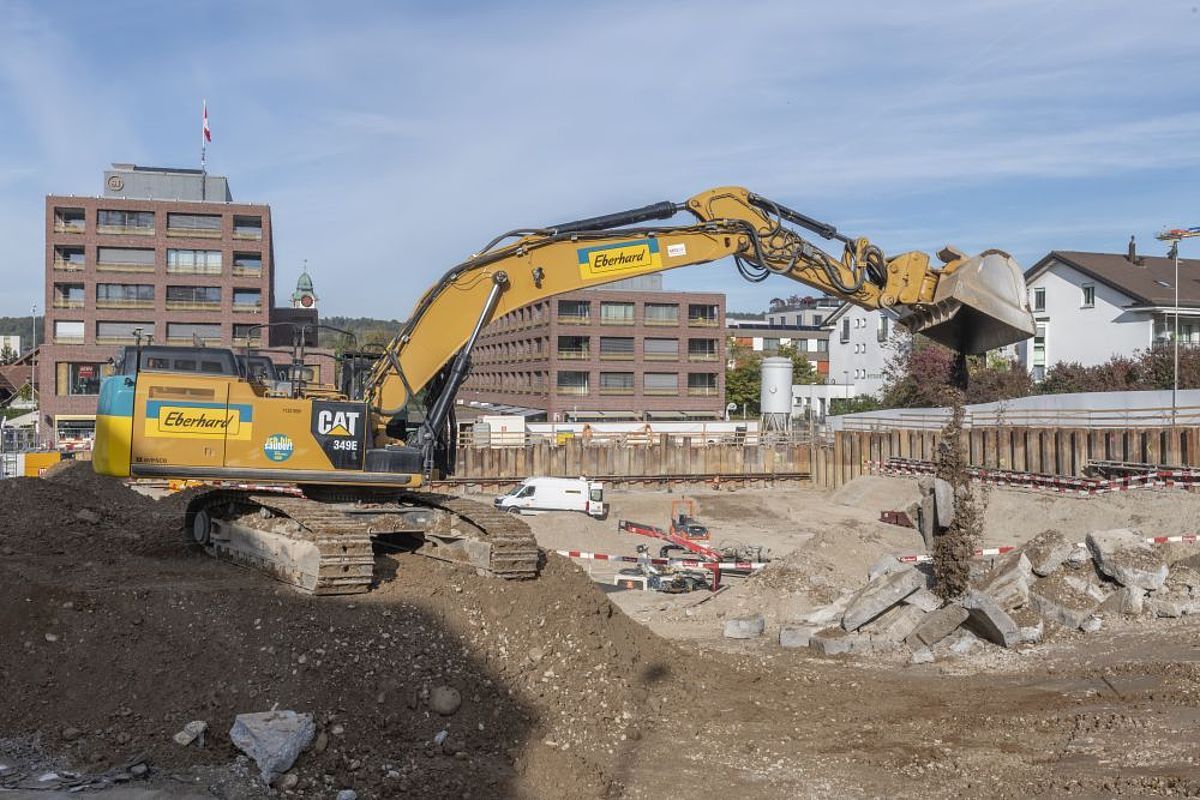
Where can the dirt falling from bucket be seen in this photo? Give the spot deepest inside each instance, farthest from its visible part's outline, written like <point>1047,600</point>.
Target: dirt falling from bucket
<point>955,547</point>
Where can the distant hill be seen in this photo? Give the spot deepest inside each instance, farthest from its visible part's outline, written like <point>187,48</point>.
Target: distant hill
<point>19,326</point>
<point>367,329</point>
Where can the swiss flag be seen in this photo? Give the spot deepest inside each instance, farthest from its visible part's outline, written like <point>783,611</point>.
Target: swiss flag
<point>207,132</point>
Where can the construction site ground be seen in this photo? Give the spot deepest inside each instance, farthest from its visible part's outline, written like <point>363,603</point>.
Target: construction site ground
<point>115,635</point>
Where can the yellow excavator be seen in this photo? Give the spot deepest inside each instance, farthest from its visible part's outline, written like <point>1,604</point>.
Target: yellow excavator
<point>297,484</point>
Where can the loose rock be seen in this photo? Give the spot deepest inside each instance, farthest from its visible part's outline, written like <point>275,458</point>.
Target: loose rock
<point>274,739</point>
<point>796,635</point>
<point>936,626</point>
<point>1124,556</point>
<point>879,595</point>
<point>1047,551</point>
<point>445,700</point>
<point>989,620</point>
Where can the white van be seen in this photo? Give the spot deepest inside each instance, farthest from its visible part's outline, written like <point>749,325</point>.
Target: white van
<point>555,494</point>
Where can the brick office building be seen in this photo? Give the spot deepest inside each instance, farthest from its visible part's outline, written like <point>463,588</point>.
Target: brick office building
<point>166,251</point>
<point>609,353</point>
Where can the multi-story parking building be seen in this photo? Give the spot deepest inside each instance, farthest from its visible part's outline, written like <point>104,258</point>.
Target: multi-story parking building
<point>164,253</point>
<point>609,353</point>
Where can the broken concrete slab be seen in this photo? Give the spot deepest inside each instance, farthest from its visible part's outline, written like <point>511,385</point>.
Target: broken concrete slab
<point>1079,556</point>
<point>796,635</point>
<point>835,641</point>
<point>1008,581</point>
<point>745,627</point>
<point>827,614</point>
<point>943,500</point>
<point>879,595</point>
<point>1047,551</point>
<point>963,642</point>
<point>1127,600</point>
<point>894,625</point>
<point>937,625</point>
<point>924,599</point>
<point>921,656</point>
<point>274,739</point>
<point>1168,607</point>
<point>1030,624</point>
<point>1080,582</point>
<point>926,521</point>
<point>988,619</point>
<point>1124,556</point>
<point>885,565</point>
<point>1059,601</point>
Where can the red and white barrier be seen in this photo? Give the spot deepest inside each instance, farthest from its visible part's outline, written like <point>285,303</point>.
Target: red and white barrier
<point>672,562</point>
<point>921,558</point>
<point>1084,487</point>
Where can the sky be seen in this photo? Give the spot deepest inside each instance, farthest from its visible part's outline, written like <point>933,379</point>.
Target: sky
<point>394,139</point>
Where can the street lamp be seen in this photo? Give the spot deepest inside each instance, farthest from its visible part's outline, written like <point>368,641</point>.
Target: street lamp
<point>37,407</point>
<point>1175,371</point>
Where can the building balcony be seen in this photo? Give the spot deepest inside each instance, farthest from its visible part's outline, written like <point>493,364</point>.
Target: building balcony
<point>617,356</point>
<point>63,303</point>
<point>574,319</point>
<point>616,390</point>
<point>125,230</point>
<point>68,266</point>
<point>579,391</point>
<point>248,235</point>
<point>247,308</point>
<point>702,322</point>
<point>112,266</point>
<point>179,269</point>
<point>124,304</point>
<point>116,340</point>
<point>193,305</point>
<point>194,233</point>
<point>68,227</point>
<point>702,391</point>
<point>661,392</point>
<point>247,272</point>
<point>660,356</point>
<point>619,321</point>
<point>702,357</point>
<point>662,323</point>
<point>574,355</point>
<point>68,340</point>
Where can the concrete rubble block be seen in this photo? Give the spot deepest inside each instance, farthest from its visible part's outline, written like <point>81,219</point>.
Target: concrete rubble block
<point>1081,583</point>
<point>1184,580</point>
<point>825,615</point>
<point>1030,625</point>
<point>1126,600</point>
<point>274,739</point>
<point>1168,607</point>
<point>925,485</point>
<point>192,732</point>
<point>1008,581</point>
<point>937,625</point>
<point>1059,601</point>
<point>1092,625</point>
<point>796,635</point>
<point>835,641</point>
<point>883,566</point>
<point>1047,551</point>
<point>745,627</point>
<point>963,642</point>
<point>943,500</point>
<point>1124,556</point>
<point>894,625</point>
<point>926,521</point>
<point>989,620</point>
<point>879,595</point>
<point>924,599</point>
<point>921,656</point>
<point>1079,556</point>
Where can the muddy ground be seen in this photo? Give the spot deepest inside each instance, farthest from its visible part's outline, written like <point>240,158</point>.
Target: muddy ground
<point>114,635</point>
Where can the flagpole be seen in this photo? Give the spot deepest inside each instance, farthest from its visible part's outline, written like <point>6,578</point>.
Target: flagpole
<point>203,153</point>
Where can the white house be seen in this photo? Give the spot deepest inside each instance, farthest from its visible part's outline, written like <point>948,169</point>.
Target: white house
<point>861,343</point>
<point>1091,306</point>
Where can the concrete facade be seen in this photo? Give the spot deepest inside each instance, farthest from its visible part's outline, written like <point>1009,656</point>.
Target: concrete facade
<point>605,354</point>
<point>861,343</point>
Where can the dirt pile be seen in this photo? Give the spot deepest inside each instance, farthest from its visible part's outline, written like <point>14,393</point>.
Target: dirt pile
<point>119,636</point>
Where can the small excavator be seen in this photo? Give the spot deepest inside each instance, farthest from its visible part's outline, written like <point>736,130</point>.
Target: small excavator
<point>298,485</point>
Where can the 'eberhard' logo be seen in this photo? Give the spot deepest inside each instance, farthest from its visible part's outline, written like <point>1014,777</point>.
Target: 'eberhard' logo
<point>198,421</point>
<point>640,255</point>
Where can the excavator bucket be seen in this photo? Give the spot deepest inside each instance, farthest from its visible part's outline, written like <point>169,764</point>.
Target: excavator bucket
<point>979,305</point>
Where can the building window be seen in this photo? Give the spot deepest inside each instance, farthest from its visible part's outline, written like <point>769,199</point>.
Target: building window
<point>574,347</point>
<point>845,337</point>
<point>770,345</point>
<point>619,348</point>
<point>702,314</point>
<point>68,295</point>
<point>247,227</point>
<point>1039,299</point>
<point>243,332</point>
<point>616,383</point>
<point>660,383</point>
<point>68,331</point>
<point>247,300</point>
<point>74,378</point>
<point>198,298</point>
<point>68,220</point>
<point>70,258</point>
<point>1039,353</point>
<point>882,333</point>
<point>186,331</point>
<point>662,313</point>
<point>572,382</point>
<point>194,262</point>
<point>134,222</point>
<point>660,349</point>
<point>122,332</point>
<point>247,264</point>
<point>702,383</point>
<point>125,259</point>
<point>205,225</point>
<point>1089,295</point>
<point>124,295</point>
<point>616,313</point>
<point>817,320</point>
<point>574,312</point>
<point>822,345</point>
<point>702,350</point>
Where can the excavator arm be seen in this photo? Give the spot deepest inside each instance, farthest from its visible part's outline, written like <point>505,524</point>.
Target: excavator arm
<point>971,304</point>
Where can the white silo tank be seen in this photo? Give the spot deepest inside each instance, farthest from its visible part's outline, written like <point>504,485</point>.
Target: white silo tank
<point>775,397</point>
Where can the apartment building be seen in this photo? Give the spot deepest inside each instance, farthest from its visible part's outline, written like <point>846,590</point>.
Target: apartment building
<point>608,353</point>
<point>164,253</point>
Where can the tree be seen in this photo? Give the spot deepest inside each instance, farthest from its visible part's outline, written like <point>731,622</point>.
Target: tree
<point>802,369</point>
<point>743,381</point>
<point>7,355</point>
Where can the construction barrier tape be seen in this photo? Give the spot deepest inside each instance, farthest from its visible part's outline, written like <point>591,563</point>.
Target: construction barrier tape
<point>914,558</point>
<point>1152,479</point>
<point>672,562</point>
